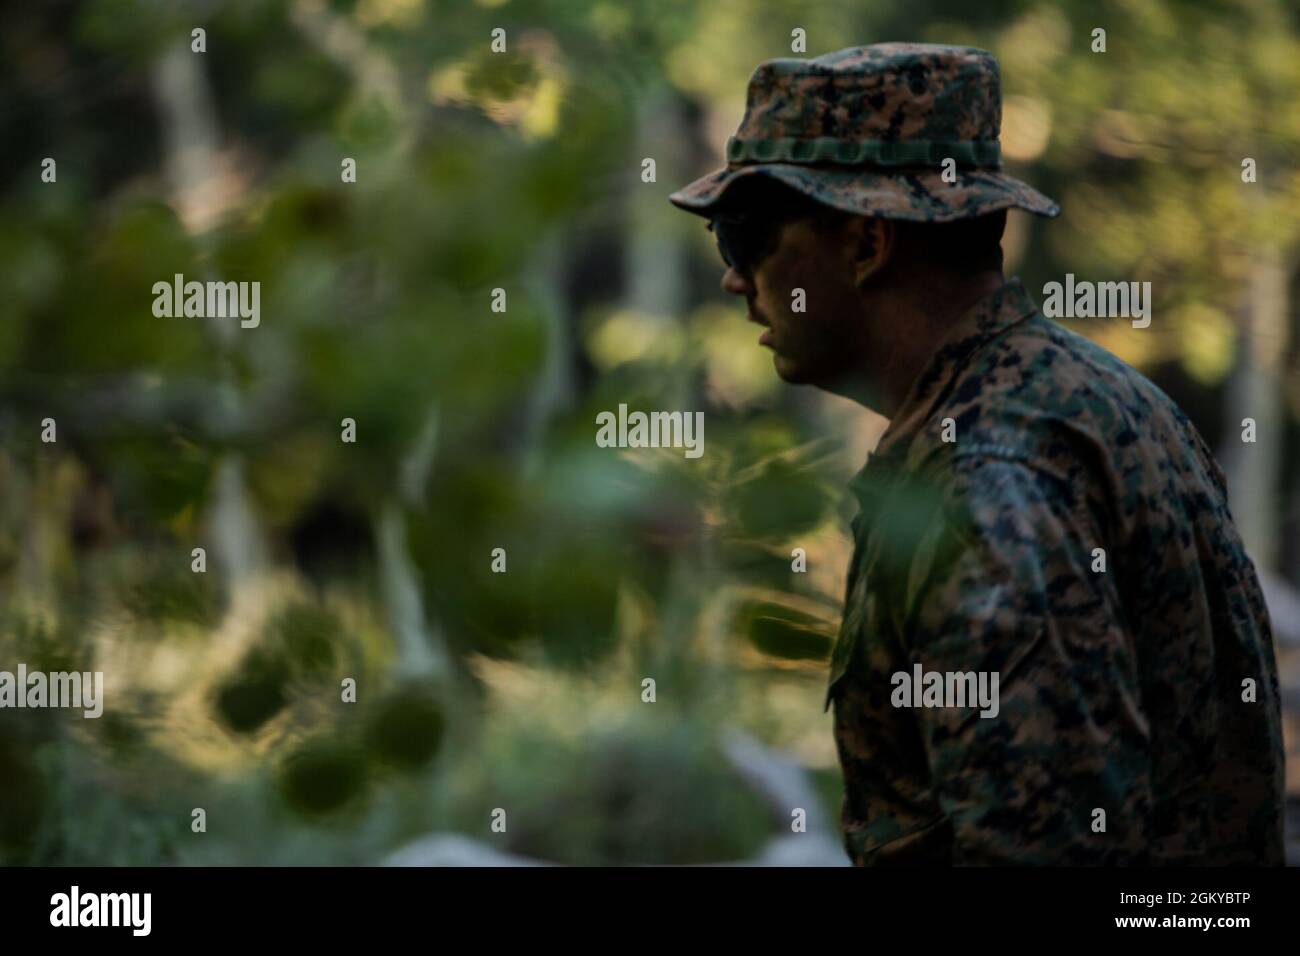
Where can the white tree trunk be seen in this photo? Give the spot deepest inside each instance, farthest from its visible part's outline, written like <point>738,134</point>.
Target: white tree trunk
<point>1254,469</point>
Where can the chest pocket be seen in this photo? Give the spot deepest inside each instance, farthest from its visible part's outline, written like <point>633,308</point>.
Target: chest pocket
<point>861,601</point>
<point>859,618</point>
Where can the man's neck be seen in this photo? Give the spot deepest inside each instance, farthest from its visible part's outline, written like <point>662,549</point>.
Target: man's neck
<point>915,321</point>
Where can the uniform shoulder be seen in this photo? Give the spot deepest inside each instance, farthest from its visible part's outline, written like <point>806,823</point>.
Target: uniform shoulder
<point>1040,375</point>
<point>1054,400</point>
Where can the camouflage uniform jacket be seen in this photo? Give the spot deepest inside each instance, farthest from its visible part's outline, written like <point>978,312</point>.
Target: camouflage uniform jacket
<point>1121,690</point>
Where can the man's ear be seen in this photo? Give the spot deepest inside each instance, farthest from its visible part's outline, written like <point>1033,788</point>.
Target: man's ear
<point>872,242</point>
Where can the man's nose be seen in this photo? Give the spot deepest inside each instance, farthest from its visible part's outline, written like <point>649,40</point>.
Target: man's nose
<point>735,283</point>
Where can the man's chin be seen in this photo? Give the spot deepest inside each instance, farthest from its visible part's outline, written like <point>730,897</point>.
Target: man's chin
<point>790,371</point>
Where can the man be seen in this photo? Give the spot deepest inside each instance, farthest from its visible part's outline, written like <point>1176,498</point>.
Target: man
<point>1054,648</point>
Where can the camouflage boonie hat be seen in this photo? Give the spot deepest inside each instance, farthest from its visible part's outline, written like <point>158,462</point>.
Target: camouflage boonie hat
<point>867,129</point>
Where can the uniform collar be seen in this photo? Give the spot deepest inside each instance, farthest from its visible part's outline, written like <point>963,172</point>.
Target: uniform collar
<point>990,316</point>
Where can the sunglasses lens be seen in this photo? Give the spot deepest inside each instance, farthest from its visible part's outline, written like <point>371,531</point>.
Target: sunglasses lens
<point>734,242</point>
<point>722,245</point>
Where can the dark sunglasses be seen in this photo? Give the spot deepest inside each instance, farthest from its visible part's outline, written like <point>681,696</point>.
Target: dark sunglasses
<point>744,241</point>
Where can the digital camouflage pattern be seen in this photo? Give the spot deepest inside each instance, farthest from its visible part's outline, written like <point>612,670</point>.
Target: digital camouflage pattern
<point>1120,690</point>
<point>866,130</point>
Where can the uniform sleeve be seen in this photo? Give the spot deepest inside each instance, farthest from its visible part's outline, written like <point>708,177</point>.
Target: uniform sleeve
<point>1051,767</point>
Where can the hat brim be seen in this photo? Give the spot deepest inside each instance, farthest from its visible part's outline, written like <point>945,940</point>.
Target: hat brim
<point>919,195</point>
